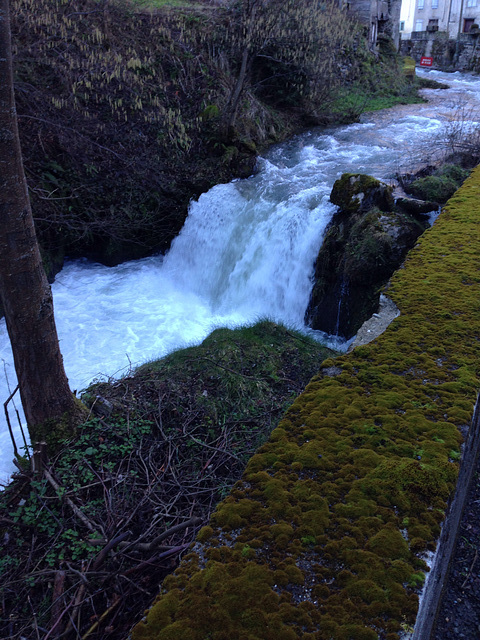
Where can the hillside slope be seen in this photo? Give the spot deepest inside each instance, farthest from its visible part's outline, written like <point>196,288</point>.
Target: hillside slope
<point>126,115</point>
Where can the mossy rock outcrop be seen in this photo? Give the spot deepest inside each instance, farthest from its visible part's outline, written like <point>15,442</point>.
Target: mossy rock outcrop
<point>324,537</point>
<point>355,192</point>
<point>438,186</point>
<point>365,242</point>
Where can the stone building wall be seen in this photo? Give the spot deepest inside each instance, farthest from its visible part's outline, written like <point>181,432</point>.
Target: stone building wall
<point>462,54</point>
<point>379,16</point>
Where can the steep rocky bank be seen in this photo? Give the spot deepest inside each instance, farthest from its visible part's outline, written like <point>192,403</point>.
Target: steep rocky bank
<point>366,241</point>
<point>113,159</point>
<point>368,238</point>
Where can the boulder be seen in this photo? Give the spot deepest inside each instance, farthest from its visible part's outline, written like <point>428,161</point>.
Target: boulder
<point>365,242</point>
<point>434,184</point>
<point>355,192</point>
<point>415,206</point>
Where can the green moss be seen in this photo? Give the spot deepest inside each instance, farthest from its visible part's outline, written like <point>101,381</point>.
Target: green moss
<point>358,474</point>
<point>204,534</point>
<point>389,543</point>
<point>56,431</point>
<point>351,189</point>
<point>233,514</point>
<point>416,580</point>
<point>356,632</point>
<point>440,186</point>
<point>283,529</point>
<point>367,590</point>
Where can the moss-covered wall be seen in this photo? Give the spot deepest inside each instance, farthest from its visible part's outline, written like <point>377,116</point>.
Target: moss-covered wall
<point>324,536</point>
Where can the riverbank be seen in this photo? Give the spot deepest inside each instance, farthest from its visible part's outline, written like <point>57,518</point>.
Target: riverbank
<point>109,317</point>
<point>163,445</point>
<point>113,160</point>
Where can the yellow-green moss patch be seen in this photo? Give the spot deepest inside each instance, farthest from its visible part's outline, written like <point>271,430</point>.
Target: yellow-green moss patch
<point>350,490</point>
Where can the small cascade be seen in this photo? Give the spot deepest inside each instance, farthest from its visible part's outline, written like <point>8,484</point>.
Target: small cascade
<point>341,303</point>
<point>246,251</point>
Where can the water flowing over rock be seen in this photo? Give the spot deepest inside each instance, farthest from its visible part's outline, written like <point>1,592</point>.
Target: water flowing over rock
<point>246,251</point>
<point>365,242</point>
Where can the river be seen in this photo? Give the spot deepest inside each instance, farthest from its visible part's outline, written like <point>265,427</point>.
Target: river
<point>246,250</point>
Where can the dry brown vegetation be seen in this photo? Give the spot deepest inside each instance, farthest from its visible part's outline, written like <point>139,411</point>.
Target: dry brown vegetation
<point>126,114</point>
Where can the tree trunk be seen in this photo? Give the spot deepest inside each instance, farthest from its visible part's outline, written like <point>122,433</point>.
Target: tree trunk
<point>234,99</point>
<point>24,289</point>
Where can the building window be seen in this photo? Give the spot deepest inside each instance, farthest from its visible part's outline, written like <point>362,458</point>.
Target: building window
<point>432,24</point>
<point>435,3</point>
<point>421,4</point>
<point>419,25</point>
<point>467,24</point>
<point>402,25</point>
<point>471,3</point>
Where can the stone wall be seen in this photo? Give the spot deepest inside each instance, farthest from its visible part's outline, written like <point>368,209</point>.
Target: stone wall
<point>462,54</point>
<point>380,17</point>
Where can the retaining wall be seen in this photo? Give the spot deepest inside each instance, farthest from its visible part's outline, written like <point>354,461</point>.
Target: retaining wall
<point>328,533</point>
<point>461,54</point>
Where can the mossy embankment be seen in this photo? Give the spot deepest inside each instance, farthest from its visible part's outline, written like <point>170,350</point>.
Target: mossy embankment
<point>125,114</point>
<point>325,535</point>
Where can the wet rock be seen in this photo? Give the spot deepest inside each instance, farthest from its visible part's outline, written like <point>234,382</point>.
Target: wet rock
<point>415,206</point>
<point>435,184</point>
<point>366,241</point>
<point>331,372</point>
<point>377,323</point>
<point>355,192</point>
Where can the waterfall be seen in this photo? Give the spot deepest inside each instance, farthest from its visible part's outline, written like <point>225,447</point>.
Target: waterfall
<point>248,247</point>
<point>246,251</point>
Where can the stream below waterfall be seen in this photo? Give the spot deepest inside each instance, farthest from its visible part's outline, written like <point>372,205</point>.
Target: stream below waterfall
<point>246,251</point>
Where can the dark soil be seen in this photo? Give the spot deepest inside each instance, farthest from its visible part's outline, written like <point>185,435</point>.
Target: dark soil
<point>459,610</point>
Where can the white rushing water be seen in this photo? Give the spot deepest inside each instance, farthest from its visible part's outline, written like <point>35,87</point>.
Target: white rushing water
<point>246,250</point>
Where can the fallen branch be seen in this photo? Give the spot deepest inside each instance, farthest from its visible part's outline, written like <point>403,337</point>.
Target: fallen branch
<point>101,619</point>
<point>59,619</point>
<point>60,491</point>
<point>148,546</point>
<point>56,615</point>
<point>161,556</point>
<point>108,547</point>
<point>209,446</point>
<point>15,450</point>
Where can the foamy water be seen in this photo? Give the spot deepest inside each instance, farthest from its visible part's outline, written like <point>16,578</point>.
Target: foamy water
<point>246,251</point>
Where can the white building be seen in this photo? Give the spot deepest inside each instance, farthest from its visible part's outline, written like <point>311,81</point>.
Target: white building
<point>407,14</point>
<point>453,17</point>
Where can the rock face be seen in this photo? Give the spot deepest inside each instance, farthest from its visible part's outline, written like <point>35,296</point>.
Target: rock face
<point>365,242</point>
<point>355,192</point>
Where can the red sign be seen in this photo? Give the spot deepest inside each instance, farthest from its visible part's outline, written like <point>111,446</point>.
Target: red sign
<point>426,62</point>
